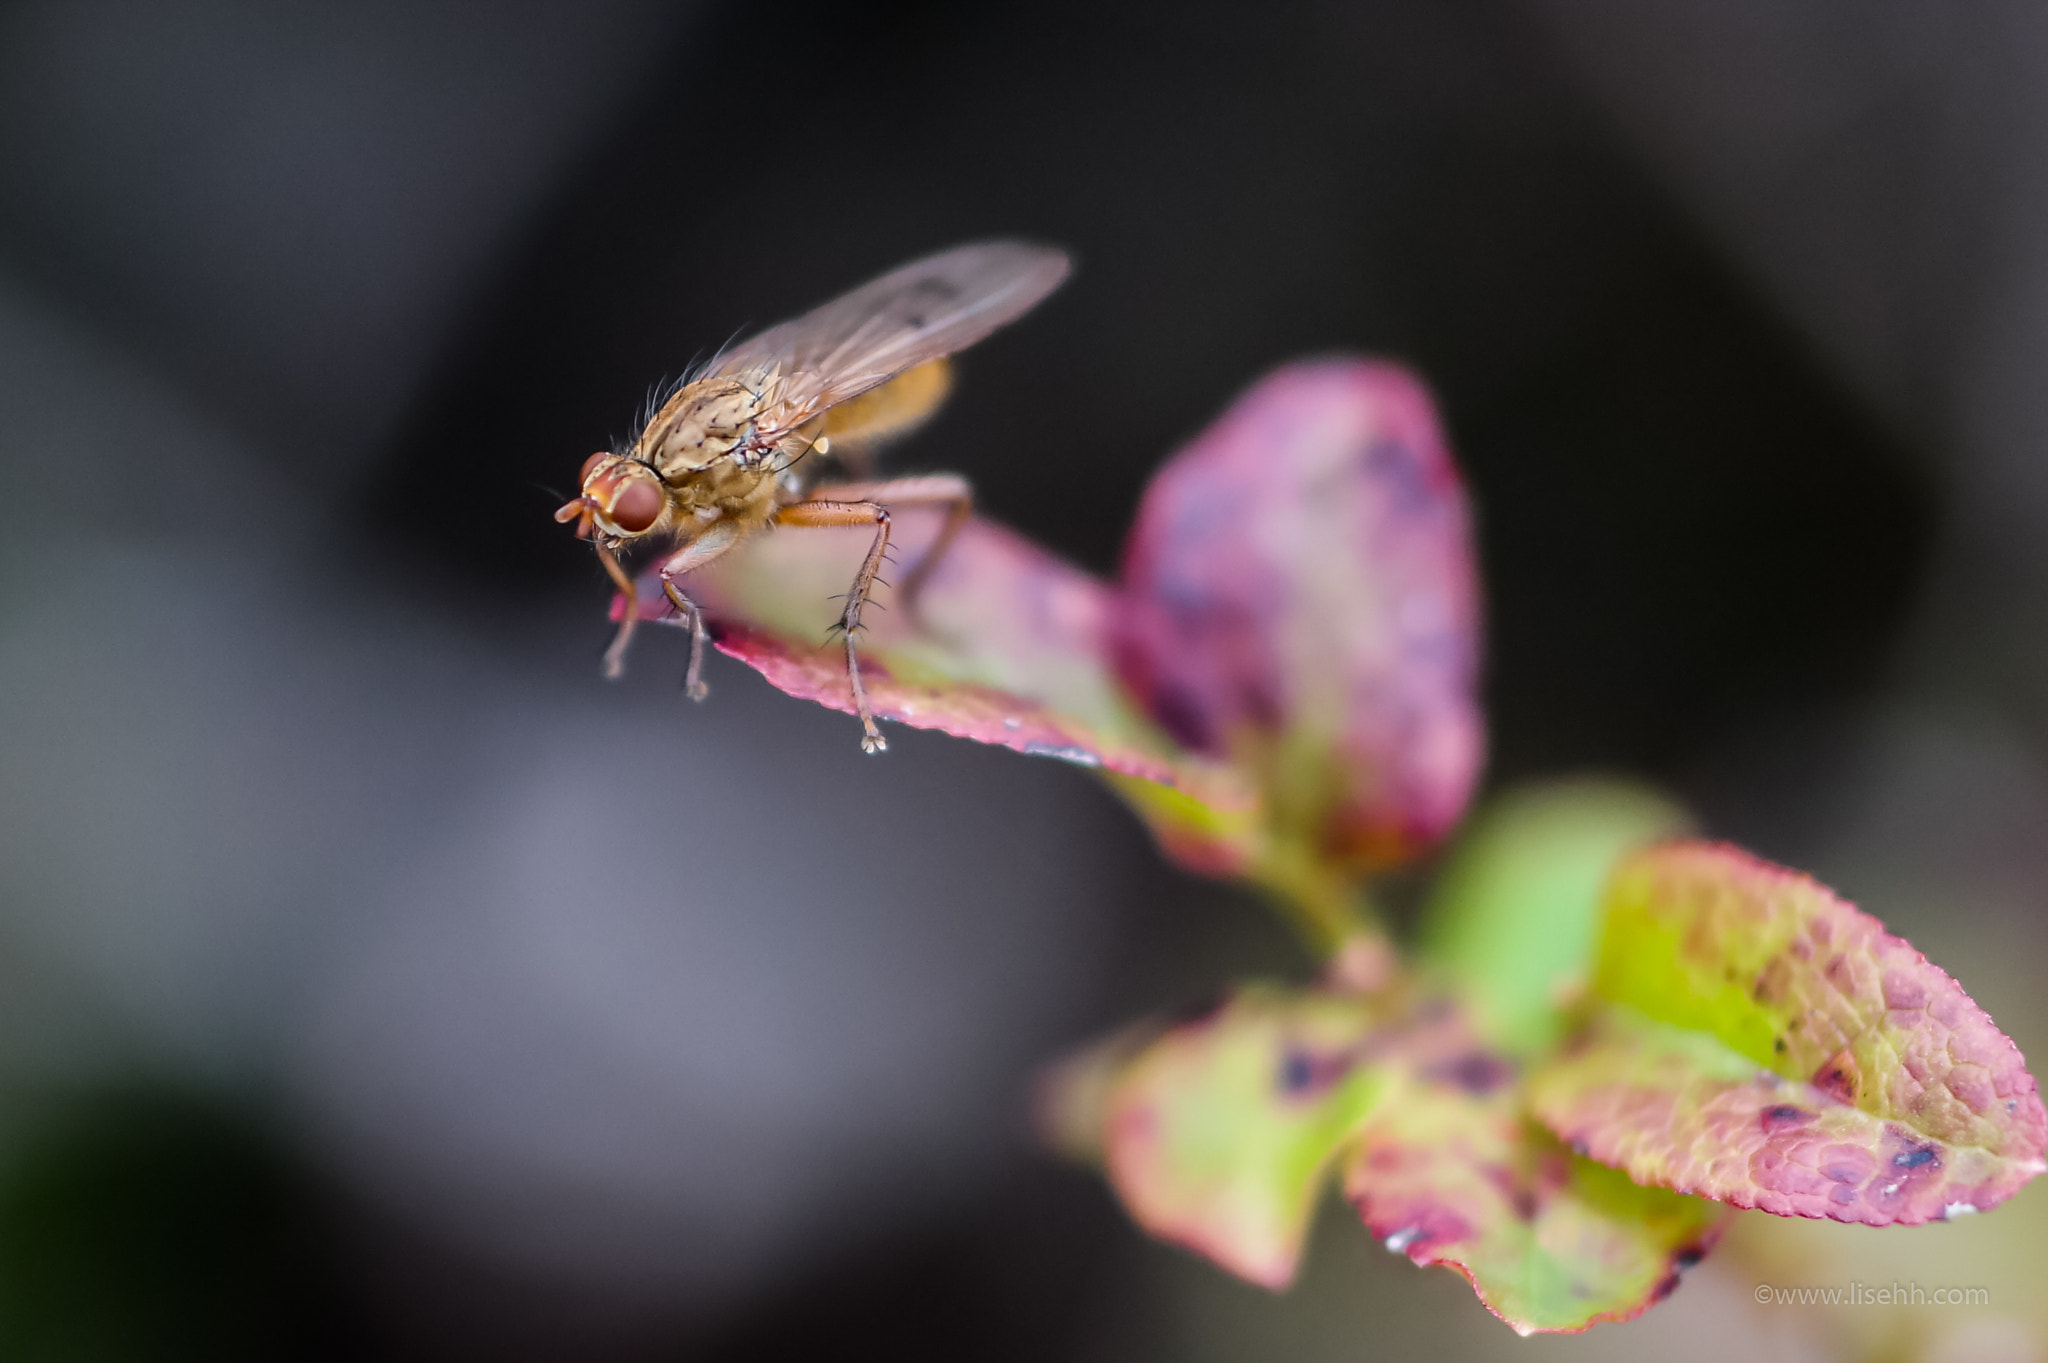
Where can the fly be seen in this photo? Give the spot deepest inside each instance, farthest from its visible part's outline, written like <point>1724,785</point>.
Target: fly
<point>718,462</point>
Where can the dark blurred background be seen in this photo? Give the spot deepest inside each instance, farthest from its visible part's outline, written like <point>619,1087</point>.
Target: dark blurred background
<point>376,982</point>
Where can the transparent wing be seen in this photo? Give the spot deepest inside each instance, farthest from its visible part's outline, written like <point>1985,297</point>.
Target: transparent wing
<point>927,309</point>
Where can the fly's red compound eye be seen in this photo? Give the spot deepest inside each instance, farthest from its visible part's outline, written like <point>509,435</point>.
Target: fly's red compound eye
<point>638,505</point>
<point>590,467</point>
<point>631,497</point>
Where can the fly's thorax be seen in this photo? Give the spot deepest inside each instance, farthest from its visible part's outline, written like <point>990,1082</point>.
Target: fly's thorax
<point>726,487</point>
<point>702,424</point>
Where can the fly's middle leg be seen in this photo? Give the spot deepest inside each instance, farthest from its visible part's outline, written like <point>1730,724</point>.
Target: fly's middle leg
<point>693,618</point>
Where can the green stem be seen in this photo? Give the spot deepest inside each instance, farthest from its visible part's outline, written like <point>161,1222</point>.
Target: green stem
<point>1329,911</point>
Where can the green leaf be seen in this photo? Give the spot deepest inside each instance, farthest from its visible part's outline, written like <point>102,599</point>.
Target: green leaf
<point>1219,1134</point>
<point>1762,1042</point>
<point>1510,922</point>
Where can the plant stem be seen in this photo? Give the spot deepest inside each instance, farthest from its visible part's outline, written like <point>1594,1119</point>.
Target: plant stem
<point>1329,911</point>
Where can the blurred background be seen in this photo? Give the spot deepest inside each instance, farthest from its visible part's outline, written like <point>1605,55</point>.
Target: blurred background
<point>377,982</point>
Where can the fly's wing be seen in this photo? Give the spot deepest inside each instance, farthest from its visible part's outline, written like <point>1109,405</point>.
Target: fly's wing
<point>923,311</point>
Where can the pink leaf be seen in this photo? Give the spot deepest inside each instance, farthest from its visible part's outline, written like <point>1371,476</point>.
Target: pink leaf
<point>1302,599</point>
<point>1007,647</point>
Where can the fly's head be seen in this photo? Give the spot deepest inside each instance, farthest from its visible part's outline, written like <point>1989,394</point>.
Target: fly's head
<point>621,500</point>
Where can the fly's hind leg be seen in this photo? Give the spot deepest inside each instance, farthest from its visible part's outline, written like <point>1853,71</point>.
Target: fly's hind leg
<point>822,513</point>
<point>939,489</point>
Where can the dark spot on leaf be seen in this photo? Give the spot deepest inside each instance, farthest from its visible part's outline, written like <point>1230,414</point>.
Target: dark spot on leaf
<point>1778,1045</point>
<point>1297,1072</point>
<point>1783,1117</point>
<point>1837,1078</point>
<point>1303,1072</point>
<point>1773,982</point>
<point>1476,1072</point>
<point>1666,1287</point>
<point>1688,1257</point>
<point>1916,1156</point>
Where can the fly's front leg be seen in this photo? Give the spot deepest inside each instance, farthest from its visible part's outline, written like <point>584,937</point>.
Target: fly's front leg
<point>615,656</point>
<point>720,537</point>
<point>939,489</point>
<point>851,513</point>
